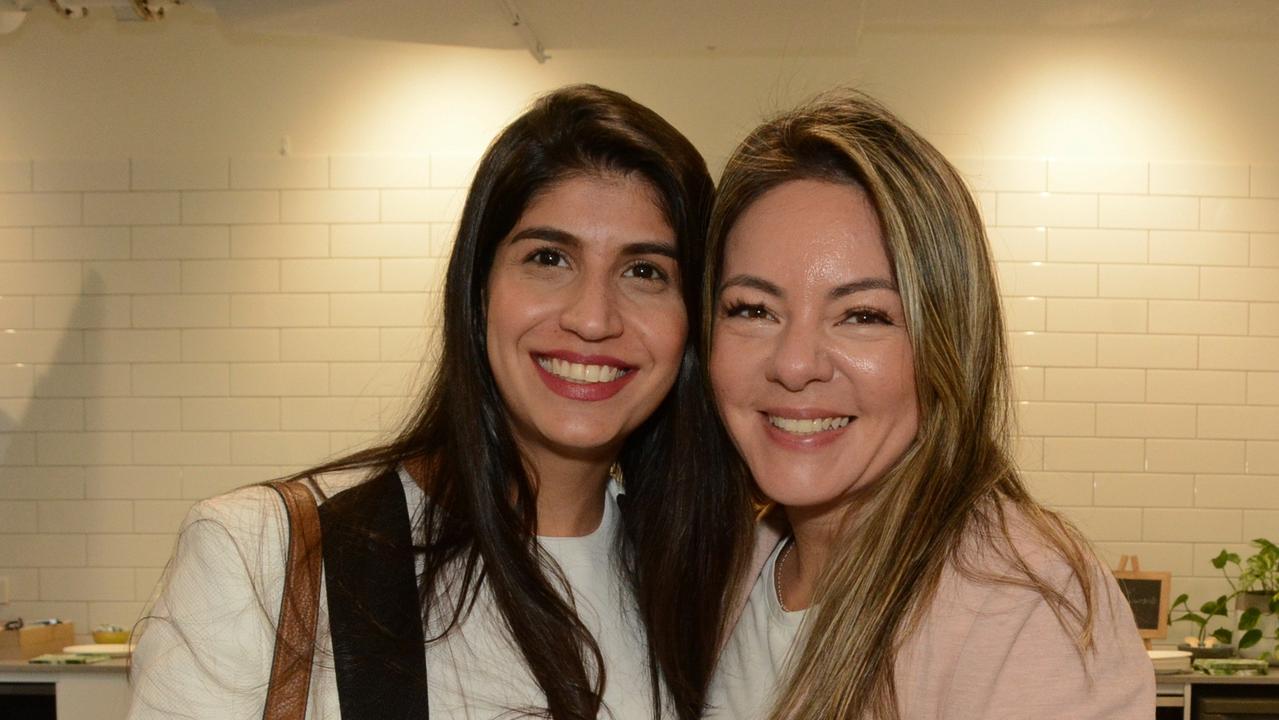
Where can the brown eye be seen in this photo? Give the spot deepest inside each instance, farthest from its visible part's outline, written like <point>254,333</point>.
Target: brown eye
<point>866,316</point>
<point>547,257</point>
<point>747,311</point>
<point>645,271</point>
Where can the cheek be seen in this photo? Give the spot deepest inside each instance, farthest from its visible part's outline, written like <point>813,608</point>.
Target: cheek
<point>496,315</point>
<point>665,332</point>
<point>508,316</point>
<point>718,368</point>
<point>511,308</point>
<point>885,382</point>
<point>731,371</point>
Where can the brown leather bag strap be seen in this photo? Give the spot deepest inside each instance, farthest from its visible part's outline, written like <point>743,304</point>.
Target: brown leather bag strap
<point>286,696</point>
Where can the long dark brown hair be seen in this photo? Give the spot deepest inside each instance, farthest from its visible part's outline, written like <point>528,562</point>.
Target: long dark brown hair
<point>682,527</point>
<point>957,481</point>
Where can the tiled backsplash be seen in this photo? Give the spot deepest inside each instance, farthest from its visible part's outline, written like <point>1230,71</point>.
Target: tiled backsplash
<point>1143,306</point>
<point>171,328</point>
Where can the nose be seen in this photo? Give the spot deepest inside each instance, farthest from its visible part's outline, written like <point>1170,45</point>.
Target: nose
<point>800,358</point>
<point>590,310</point>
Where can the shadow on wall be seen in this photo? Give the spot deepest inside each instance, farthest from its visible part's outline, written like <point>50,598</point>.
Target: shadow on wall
<point>49,437</point>
<point>63,379</point>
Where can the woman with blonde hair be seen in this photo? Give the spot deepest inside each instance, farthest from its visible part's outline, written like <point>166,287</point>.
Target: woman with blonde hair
<point>858,359</point>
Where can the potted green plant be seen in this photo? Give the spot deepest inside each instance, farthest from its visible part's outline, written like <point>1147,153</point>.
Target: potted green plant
<point>1205,645</point>
<point>1256,593</point>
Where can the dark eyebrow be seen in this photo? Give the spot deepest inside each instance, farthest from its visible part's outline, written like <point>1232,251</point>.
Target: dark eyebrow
<point>857,286</point>
<point>650,248</point>
<point>563,237</point>
<point>754,282</point>
<point>542,232</point>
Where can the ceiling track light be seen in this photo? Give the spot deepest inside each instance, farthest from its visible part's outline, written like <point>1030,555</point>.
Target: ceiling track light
<point>521,26</point>
<point>151,13</point>
<point>129,10</point>
<point>69,11</point>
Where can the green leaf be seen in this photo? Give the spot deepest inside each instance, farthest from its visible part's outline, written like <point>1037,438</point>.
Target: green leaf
<point>1250,638</point>
<point>1224,557</point>
<point>1192,617</point>
<point>1248,620</point>
<point>1224,636</point>
<point>1216,607</point>
<point>1180,599</point>
<point>1266,545</point>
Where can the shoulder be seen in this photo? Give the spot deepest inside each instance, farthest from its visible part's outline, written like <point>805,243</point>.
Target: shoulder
<point>991,637</point>
<point>982,601</point>
<point>240,525</point>
<point>249,525</point>
<point>1007,549</point>
<point>252,506</point>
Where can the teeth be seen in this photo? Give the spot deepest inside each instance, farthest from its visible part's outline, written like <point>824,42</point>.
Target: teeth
<point>808,427</point>
<point>580,373</point>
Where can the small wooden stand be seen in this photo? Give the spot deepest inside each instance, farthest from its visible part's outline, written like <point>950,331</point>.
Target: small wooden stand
<point>1149,594</point>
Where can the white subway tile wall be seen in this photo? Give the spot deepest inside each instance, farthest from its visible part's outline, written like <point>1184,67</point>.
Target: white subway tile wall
<point>175,327</point>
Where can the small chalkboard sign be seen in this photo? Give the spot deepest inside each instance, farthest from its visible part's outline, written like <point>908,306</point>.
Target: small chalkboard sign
<point>1148,595</point>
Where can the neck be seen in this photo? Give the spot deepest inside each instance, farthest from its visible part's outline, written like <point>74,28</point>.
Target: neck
<point>570,494</point>
<point>815,531</point>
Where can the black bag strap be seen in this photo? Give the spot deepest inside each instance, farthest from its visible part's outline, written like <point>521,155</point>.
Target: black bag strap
<point>375,614</point>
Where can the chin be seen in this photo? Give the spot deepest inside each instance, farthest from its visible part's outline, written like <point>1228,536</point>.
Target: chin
<point>809,484</point>
<point>786,487</point>
<point>798,496</point>
<point>583,441</point>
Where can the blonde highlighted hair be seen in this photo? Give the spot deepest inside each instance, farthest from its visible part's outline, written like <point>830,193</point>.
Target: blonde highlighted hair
<point>957,480</point>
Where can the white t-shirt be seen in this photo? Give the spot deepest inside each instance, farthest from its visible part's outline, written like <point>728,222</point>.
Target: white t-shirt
<point>754,660</point>
<point>207,653</point>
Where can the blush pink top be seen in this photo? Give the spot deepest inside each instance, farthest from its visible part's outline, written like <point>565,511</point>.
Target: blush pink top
<point>982,650</point>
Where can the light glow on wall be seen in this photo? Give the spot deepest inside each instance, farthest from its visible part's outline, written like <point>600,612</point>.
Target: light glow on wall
<point>425,100</point>
<point>1078,108</point>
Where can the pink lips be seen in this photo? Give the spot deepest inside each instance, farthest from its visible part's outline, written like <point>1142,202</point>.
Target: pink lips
<point>590,392</point>
<point>791,441</point>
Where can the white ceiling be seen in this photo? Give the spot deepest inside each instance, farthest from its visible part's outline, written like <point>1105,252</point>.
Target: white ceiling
<point>683,26</point>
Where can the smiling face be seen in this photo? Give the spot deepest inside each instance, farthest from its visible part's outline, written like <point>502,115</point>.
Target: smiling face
<point>811,362</point>
<point>586,323</point>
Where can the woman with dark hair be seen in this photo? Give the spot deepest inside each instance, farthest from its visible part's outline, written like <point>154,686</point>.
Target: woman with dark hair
<point>481,562</point>
<point>858,359</point>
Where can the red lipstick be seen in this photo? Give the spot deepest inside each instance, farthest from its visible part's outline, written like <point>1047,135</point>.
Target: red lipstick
<point>589,392</point>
